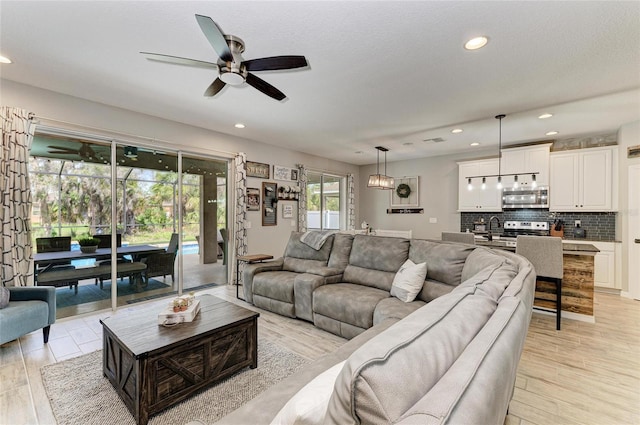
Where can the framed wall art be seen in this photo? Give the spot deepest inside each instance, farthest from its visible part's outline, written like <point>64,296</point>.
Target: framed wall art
<point>257,169</point>
<point>269,204</point>
<point>406,192</point>
<point>285,173</point>
<point>253,199</point>
<point>287,211</point>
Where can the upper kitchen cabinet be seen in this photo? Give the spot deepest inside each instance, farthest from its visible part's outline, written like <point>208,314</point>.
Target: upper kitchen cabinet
<point>525,161</point>
<point>583,180</point>
<point>477,199</point>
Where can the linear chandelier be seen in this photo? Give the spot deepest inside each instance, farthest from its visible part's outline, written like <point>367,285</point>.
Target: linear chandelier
<point>381,181</point>
<point>534,184</point>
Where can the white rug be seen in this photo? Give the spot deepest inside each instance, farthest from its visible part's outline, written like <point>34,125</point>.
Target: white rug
<point>80,394</point>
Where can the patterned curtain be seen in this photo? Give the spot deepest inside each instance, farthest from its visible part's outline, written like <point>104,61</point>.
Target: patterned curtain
<point>302,199</point>
<point>351,203</point>
<point>15,241</point>
<point>241,211</point>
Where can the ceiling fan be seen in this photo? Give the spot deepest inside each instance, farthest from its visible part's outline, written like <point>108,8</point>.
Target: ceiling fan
<point>84,151</point>
<point>232,68</point>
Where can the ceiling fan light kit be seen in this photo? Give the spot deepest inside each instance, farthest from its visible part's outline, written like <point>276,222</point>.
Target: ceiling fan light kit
<point>232,69</point>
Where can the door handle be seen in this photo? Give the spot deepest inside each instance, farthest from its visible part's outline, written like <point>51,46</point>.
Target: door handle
<point>637,241</point>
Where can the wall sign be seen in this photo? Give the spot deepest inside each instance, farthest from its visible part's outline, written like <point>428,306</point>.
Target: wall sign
<point>257,169</point>
<point>285,173</point>
<point>405,210</point>
<point>287,211</point>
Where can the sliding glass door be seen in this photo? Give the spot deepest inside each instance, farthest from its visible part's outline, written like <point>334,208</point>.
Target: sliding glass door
<point>169,218</point>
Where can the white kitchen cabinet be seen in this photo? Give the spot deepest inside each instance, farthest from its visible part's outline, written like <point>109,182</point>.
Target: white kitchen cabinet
<point>525,161</point>
<point>604,264</point>
<point>489,199</point>
<point>582,180</point>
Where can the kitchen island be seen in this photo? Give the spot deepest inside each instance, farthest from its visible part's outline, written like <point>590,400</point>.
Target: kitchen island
<point>577,279</point>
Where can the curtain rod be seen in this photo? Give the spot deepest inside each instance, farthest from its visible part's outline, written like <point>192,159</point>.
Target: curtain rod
<point>81,131</point>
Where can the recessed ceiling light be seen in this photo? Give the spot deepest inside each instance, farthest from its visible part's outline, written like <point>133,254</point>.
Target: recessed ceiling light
<point>476,43</point>
<point>407,144</point>
<point>543,116</point>
<point>456,130</point>
<point>4,59</point>
<point>475,144</point>
<point>239,125</point>
<point>551,133</point>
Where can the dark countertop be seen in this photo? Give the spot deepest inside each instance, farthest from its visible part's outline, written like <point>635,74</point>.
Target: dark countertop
<point>568,248</point>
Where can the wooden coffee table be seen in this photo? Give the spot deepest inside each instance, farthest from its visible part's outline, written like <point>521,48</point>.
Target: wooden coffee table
<point>153,367</point>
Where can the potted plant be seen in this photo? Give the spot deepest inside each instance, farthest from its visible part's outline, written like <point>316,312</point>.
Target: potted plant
<point>88,244</point>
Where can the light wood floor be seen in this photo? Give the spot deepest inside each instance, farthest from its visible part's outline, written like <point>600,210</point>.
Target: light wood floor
<point>584,374</point>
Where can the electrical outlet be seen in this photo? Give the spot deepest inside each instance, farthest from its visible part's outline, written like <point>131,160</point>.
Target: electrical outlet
<point>433,219</point>
<point>578,223</point>
<point>247,225</point>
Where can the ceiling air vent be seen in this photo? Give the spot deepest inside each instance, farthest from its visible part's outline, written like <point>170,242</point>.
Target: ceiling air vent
<point>434,140</point>
<point>633,152</point>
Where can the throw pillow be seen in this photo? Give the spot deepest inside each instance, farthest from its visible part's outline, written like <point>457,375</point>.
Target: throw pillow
<point>408,281</point>
<point>309,405</point>
<point>4,297</point>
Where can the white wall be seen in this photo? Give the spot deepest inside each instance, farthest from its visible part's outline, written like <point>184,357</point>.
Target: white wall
<point>628,135</point>
<point>438,185</point>
<point>174,135</point>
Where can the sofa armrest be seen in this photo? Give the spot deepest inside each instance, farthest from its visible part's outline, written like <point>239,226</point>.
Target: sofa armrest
<point>42,293</point>
<point>250,270</point>
<point>324,271</point>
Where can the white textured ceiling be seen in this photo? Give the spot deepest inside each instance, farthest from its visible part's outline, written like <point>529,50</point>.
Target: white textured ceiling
<point>381,72</point>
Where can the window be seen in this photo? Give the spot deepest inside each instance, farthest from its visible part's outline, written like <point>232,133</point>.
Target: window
<point>326,201</point>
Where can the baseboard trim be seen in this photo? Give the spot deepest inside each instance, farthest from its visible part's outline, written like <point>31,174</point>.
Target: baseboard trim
<point>567,315</point>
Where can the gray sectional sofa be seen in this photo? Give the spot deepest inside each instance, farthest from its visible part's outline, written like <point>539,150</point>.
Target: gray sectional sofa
<point>449,356</point>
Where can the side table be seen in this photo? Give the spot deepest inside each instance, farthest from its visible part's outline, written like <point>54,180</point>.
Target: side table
<point>248,259</point>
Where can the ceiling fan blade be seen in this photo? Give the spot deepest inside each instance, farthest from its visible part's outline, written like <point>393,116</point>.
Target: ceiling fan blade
<point>264,87</point>
<point>62,153</point>
<point>215,87</point>
<point>275,63</point>
<point>178,60</point>
<point>215,37</point>
<point>63,149</point>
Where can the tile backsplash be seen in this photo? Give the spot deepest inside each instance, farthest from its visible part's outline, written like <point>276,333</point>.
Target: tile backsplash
<point>600,226</point>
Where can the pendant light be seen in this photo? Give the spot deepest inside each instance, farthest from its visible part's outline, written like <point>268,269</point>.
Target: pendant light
<point>381,181</point>
<point>499,186</point>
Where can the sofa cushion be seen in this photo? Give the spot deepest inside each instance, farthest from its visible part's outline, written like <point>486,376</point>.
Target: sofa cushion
<point>367,389</point>
<point>444,260</point>
<point>479,259</point>
<point>493,279</point>
<point>433,289</point>
<point>379,253</point>
<point>348,303</point>
<point>275,285</point>
<point>393,308</point>
<point>408,281</point>
<point>340,252</point>
<point>309,405</point>
<point>297,249</point>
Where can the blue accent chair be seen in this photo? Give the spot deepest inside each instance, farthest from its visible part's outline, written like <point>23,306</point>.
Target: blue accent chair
<point>30,308</point>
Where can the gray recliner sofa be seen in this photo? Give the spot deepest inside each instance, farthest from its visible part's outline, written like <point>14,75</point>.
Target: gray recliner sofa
<point>452,359</point>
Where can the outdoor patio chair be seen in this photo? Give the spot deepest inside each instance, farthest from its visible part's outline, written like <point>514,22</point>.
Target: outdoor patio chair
<point>162,263</point>
<point>105,242</point>
<point>56,244</point>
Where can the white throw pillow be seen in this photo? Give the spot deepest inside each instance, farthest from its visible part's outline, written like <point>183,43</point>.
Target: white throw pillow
<point>309,405</point>
<point>408,281</point>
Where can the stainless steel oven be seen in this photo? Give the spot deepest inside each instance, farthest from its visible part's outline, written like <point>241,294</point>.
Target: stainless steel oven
<point>525,198</point>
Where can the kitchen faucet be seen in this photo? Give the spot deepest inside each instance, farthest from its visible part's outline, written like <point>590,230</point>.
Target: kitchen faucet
<point>490,235</point>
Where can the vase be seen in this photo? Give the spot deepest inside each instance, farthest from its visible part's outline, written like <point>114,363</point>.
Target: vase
<point>89,249</point>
